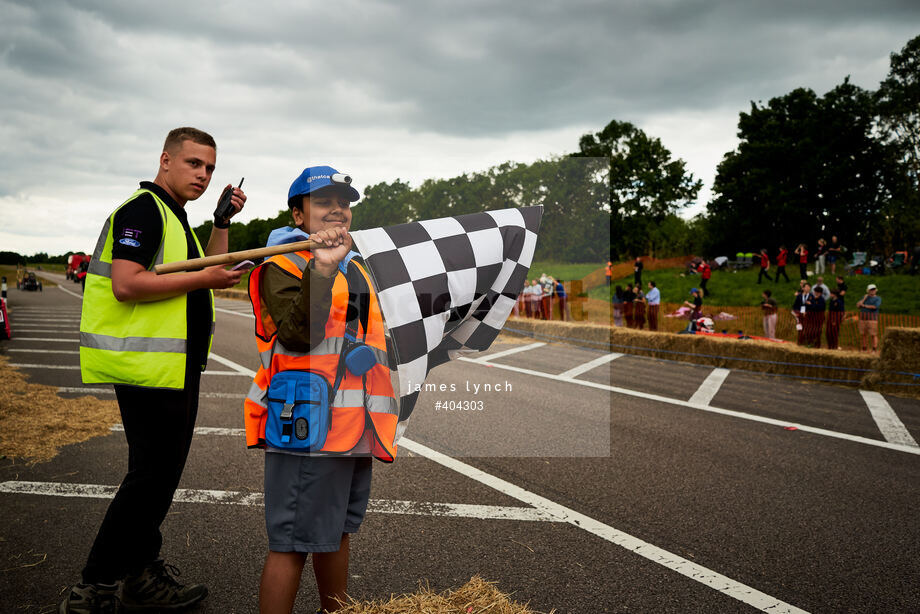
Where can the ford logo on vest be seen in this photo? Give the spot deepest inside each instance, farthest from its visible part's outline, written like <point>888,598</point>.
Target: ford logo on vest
<point>129,242</point>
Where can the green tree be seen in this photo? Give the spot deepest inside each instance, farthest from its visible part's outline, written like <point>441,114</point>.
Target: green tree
<point>383,204</point>
<point>898,99</point>
<point>646,184</point>
<point>806,167</point>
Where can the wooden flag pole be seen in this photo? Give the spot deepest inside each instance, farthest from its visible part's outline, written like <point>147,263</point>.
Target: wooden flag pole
<point>234,257</point>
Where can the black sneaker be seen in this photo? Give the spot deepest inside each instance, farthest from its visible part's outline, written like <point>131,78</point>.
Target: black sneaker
<point>156,588</point>
<point>91,599</point>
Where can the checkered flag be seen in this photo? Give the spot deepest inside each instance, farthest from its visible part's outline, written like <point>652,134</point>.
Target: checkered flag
<point>446,286</point>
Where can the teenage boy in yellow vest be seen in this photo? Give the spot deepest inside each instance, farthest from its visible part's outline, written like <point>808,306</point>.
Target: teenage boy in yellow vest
<point>314,502</point>
<point>149,335</point>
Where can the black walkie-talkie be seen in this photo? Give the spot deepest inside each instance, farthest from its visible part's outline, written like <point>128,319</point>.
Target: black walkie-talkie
<point>224,206</point>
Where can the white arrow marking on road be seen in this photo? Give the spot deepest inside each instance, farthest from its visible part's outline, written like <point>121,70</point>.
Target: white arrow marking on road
<point>887,420</point>
<point>576,371</point>
<point>79,296</point>
<point>710,387</point>
<point>229,497</point>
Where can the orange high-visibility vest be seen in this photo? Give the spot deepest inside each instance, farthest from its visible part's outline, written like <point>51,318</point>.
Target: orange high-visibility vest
<point>359,413</point>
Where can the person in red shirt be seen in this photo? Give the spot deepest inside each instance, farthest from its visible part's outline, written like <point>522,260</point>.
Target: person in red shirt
<point>764,266</point>
<point>802,252</point>
<point>781,258</point>
<point>706,273</point>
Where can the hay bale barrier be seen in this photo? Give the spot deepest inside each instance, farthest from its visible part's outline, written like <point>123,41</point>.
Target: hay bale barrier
<point>900,353</point>
<point>35,422</point>
<point>475,597</point>
<point>898,365</point>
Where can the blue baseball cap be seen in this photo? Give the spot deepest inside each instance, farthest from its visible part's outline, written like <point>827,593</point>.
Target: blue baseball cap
<point>315,178</point>
<point>692,290</point>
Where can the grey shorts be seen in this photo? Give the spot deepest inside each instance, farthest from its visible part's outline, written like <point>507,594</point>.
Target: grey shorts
<point>310,501</point>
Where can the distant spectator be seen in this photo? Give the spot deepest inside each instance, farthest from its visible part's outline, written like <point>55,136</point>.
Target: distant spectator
<point>637,272</point>
<point>639,305</point>
<point>834,252</point>
<point>628,306</point>
<point>835,314</point>
<point>802,252</point>
<point>820,254</point>
<point>562,299</point>
<point>617,300</point>
<point>764,266</point>
<point>536,294</point>
<point>819,283</point>
<point>608,272</point>
<point>696,308</point>
<point>549,287</point>
<point>841,288</point>
<point>869,306</point>
<point>768,305</point>
<point>706,273</point>
<point>781,258</point>
<point>654,304</point>
<point>799,309</point>
<point>814,316</point>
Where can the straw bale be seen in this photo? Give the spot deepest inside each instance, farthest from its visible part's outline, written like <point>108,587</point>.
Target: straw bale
<point>475,597</point>
<point>900,355</point>
<point>35,422</point>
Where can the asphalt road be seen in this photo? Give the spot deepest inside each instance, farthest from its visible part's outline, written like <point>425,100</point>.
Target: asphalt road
<point>586,483</point>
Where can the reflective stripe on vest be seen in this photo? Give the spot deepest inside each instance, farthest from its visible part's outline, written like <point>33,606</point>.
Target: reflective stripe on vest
<point>355,410</point>
<point>131,342</point>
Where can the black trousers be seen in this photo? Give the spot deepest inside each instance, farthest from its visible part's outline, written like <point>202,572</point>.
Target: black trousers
<point>803,270</point>
<point>763,273</point>
<point>781,270</point>
<point>159,425</point>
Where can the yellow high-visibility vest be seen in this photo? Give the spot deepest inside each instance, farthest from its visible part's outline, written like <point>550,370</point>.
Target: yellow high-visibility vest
<point>134,342</point>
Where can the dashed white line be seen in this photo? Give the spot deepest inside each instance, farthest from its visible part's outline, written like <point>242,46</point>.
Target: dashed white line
<point>893,430</point>
<point>716,410</point>
<point>522,348</point>
<point>710,387</point>
<point>77,368</point>
<point>591,364</point>
<point>43,351</point>
<point>229,363</point>
<point>253,499</point>
<point>79,296</point>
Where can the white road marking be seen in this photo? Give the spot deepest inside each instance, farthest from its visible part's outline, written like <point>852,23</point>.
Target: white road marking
<point>712,579</point>
<point>204,395</point>
<point>710,387</point>
<point>893,430</point>
<point>61,329</point>
<point>254,499</point>
<point>716,410</point>
<point>522,348</point>
<point>56,340</point>
<point>582,368</point>
<point>79,296</point>
<point>229,363</point>
<point>77,367</point>
<point>235,313</point>
<point>199,430</point>
<point>44,351</point>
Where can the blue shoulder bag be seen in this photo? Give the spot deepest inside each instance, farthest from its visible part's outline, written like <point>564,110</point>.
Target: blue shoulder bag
<point>300,402</point>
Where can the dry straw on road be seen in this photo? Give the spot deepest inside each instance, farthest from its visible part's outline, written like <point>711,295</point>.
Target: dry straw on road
<point>35,422</point>
<point>475,597</point>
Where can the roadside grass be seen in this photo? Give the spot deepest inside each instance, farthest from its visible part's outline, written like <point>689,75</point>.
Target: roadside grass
<point>900,292</point>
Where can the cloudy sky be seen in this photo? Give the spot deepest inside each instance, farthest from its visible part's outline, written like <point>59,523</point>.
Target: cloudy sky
<point>386,90</point>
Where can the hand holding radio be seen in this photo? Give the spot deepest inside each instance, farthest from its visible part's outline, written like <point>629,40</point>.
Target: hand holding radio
<point>225,206</point>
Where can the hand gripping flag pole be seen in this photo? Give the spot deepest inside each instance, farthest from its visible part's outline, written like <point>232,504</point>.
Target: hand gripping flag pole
<point>447,286</point>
